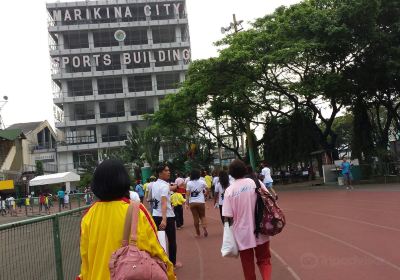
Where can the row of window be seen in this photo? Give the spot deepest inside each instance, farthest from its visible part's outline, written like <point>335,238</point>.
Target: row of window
<point>88,135</point>
<point>135,36</point>
<point>113,85</point>
<point>111,109</point>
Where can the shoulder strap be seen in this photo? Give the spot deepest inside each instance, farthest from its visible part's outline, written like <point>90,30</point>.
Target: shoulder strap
<point>135,218</point>
<point>131,220</point>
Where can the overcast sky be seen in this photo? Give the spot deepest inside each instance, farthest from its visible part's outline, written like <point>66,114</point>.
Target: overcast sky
<point>24,56</point>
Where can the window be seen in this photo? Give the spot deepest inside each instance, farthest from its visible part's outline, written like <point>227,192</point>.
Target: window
<point>113,132</point>
<point>139,83</point>
<point>85,135</point>
<point>109,85</point>
<point>141,106</point>
<point>184,33</point>
<point>168,81</point>
<point>76,40</point>
<point>82,111</point>
<point>163,34</point>
<point>80,87</point>
<point>81,159</point>
<point>111,109</point>
<point>104,38</point>
<point>136,37</point>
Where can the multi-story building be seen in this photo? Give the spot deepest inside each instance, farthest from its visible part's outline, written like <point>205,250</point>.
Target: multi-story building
<point>112,62</point>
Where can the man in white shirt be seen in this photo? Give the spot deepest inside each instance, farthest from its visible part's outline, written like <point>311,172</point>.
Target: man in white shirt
<point>267,179</point>
<point>163,215</point>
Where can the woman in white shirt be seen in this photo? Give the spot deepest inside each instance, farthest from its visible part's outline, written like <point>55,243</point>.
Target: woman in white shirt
<point>195,191</point>
<point>222,184</point>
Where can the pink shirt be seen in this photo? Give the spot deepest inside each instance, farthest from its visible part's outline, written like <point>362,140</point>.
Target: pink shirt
<point>239,203</point>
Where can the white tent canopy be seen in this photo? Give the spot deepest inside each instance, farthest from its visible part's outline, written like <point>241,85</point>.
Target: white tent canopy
<point>57,178</point>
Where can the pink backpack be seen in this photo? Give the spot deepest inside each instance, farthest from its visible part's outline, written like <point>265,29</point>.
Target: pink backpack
<point>130,263</point>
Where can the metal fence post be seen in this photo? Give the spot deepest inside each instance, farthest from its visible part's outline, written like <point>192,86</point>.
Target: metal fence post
<point>57,248</point>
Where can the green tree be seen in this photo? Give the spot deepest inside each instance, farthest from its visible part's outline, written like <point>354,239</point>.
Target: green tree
<point>39,168</point>
<point>297,58</point>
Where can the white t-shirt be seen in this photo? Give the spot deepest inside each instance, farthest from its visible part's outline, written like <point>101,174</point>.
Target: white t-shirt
<point>266,172</point>
<point>215,181</point>
<point>160,189</point>
<point>196,189</point>
<point>187,180</point>
<point>66,198</point>
<point>11,201</point>
<point>231,180</point>
<point>134,196</point>
<point>2,204</point>
<point>220,191</point>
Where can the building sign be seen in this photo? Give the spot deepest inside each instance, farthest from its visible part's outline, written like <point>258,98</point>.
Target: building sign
<point>136,57</point>
<point>6,185</point>
<point>117,12</point>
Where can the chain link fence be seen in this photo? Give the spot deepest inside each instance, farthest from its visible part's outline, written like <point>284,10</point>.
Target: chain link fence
<point>31,206</point>
<point>42,248</point>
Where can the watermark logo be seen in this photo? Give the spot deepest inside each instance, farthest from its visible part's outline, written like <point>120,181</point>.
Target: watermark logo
<point>310,261</point>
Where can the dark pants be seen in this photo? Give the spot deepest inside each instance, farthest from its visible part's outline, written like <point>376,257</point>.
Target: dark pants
<point>61,202</point>
<point>170,231</point>
<point>141,199</point>
<point>220,213</point>
<point>178,210</point>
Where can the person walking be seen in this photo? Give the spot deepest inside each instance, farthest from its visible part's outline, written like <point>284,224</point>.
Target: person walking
<point>208,179</point>
<point>196,191</point>
<point>60,195</point>
<point>66,200</point>
<point>177,201</point>
<point>163,215</point>
<point>239,204</point>
<point>267,179</point>
<point>103,224</point>
<point>139,190</point>
<point>222,184</point>
<point>3,206</point>
<point>346,172</point>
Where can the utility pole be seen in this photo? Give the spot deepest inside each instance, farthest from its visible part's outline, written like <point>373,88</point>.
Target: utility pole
<point>250,143</point>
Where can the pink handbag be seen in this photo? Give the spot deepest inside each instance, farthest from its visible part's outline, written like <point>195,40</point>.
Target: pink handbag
<point>130,263</point>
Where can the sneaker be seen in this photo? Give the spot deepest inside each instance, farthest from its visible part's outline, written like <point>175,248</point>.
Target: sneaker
<point>205,232</point>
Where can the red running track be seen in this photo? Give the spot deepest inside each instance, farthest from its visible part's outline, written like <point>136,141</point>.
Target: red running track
<point>330,235</point>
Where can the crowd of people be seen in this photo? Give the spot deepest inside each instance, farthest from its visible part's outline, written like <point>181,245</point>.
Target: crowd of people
<point>232,190</point>
<point>42,202</point>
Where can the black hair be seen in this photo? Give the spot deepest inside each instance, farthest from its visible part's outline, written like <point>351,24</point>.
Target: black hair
<point>110,181</point>
<point>224,179</point>
<point>160,167</point>
<point>237,169</point>
<point>195,174</point>
<point>249,169</point>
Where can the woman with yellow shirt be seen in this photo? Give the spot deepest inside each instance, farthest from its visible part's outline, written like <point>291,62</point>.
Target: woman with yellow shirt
<point>103,224</point>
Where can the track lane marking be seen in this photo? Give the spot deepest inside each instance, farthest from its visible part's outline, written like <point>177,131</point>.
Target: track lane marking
<point>286,265</point>
<point>380,259</point>
<point>346,219</point>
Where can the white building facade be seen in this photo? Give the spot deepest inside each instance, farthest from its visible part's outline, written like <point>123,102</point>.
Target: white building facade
<point>112,62</point>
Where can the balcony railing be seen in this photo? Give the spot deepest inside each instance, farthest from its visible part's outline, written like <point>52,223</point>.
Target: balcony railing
<point>113,138</point>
